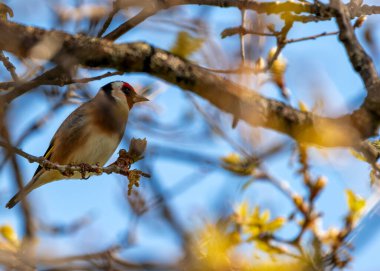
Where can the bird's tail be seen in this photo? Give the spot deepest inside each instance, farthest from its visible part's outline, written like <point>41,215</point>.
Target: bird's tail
<point>23,192</point>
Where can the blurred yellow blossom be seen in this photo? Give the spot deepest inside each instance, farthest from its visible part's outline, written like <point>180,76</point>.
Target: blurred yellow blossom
<point>9,235</point>
<point>238,165</point>
<point>356,204</point>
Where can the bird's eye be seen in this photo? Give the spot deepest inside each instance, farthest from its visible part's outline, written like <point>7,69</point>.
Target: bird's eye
<point>127,89</point>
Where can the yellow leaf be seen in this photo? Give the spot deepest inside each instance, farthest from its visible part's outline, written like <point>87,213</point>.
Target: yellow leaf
<point>265,216</point>
<point>212,246</point>
<point>358,155</point>
<point>232,158</point>
<point>256,214</point>
<point>186,45</point>
<point>282,265</point>
<point>260,64</point>
<point>355,203</point>
<point>275,224</point>
<point>241,212</point>
<point>271,53</point>
<point>303,107</point>
<point>298,200</point>
<point>234,238</point>
<point>263,246</point>
<point>278,67</point>
<point>242,170</point>
<point>330,236</point>
<point>252,230</point>
<point>268,248</point>
<point>9,234</point>
<point>320,183</point>
<point>238,165</point>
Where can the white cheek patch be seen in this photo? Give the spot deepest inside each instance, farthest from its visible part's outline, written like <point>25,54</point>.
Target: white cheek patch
<point>118,94</point>
<point>118,85</point>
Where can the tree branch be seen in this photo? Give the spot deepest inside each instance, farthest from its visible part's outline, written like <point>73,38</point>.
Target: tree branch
<point>20,88</point>
<point>360,61</point>
<point>291,9</point>
<point>131,23</point>
<point>121,166</point>
<point>224,94</point>
<point>9,66</point>
<point>59,81</point>
<point>275,7</point>
<point>115,9</point>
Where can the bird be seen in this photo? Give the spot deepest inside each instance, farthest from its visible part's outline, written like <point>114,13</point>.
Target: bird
<point>90,134</point>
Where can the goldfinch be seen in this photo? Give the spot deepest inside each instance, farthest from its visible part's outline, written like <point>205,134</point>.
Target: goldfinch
<point>90,134</point>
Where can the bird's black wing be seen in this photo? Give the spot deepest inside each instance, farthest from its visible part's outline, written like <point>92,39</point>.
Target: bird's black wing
<point>47,156</point>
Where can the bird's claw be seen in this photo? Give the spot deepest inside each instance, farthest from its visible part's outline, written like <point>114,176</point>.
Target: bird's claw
<point>84,168</point>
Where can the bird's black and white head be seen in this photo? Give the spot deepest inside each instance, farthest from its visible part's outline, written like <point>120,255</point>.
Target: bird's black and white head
<point>122,92</point>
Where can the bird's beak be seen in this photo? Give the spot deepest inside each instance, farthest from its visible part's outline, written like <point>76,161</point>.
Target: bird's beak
<point>138,98</point>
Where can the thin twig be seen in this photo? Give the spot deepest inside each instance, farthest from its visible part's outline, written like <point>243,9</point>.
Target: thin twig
<point>89,79</point>
<point>360,60</point>
<point>280,42</point>
<point>25,207</point>
<point>167,211</point>
<point>58,81</point>
<point>9,66</point>
<point>218,129</point>
<point>20,88</point>
<point>324,34</point>
<point>281,185</point>
<point>237,70</point>
<point>242,44</point>
<point>244,31</point>
<point>131,23</point>
<point>115,9</point>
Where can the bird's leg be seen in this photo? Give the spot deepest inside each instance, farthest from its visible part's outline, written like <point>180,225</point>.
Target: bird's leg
<point>85,168</point>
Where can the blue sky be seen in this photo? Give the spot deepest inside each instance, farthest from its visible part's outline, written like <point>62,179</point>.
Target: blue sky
<point>315,67</point>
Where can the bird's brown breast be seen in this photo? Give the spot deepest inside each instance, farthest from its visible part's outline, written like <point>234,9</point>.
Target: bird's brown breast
<point>108,119</point>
